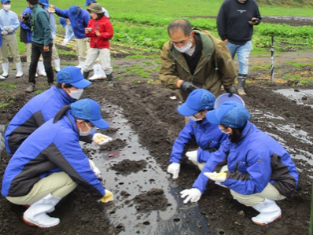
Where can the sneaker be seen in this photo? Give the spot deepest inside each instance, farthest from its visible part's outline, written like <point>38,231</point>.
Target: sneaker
<point>31,88</point>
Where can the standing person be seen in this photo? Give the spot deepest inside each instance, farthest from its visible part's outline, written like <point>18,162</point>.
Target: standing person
<point>79,19</point>
<point>41,108</point>
<point>90,2</point>
<point>55,56</point>
<point>194,58</point>
<point>100,30</point>
<point>51,163</point>
<point>255,167</point>
<point>207,136</point>
<point>41,43</point>
<point>235,22</point>
<point>9,24</point>
<point>69,33</point>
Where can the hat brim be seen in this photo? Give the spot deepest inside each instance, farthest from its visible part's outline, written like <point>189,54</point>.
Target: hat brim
<point>185,111</point>
<point>83,83</point>
<point>86,5</point>
<point>101,123</point>
<point>63,25</point>
<point>211,117</point>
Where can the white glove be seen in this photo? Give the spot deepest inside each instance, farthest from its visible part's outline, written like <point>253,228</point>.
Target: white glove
<point>54,36</point>
<point>10,30</point>
<point>95,169</point>
<point>64,42</point>
<point>174,168</point>
<point>218,177</point>
<point>101,139</point>
<point>193,195</point>
<point>6,28</point>
<point>4,32</point>
<point>193,156</point>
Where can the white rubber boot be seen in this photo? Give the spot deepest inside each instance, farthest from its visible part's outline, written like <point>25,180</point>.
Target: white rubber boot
<point>269,212</point>
<point>19,70</point>
<point>36,215</point>
<point>79,65</point>
<point>5,68</point>
<point>41,69</point>
<point>82,66</point>
<point>98,73</point>
<point>57,65</point>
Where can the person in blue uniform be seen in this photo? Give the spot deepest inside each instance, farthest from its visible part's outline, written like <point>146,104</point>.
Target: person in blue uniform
<point>206,135</point>
<point>51,163</point>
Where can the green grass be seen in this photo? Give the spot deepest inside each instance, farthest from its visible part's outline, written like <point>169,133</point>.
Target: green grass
<point>8,85</point>
<point>297,64</point>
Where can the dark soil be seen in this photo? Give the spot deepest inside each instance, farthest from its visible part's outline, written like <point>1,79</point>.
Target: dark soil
<point>152,115</point>
<point>127,166</point>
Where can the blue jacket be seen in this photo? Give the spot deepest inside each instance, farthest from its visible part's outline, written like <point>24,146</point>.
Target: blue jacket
<point>252,163</point>
<point>53,147</point>
<point>208,137</point>
<point>33,114</point>
<point>26,33</point>
<point>79,24</point>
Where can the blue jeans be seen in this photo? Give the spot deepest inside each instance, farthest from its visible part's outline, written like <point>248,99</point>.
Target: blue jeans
<point>243,52</point>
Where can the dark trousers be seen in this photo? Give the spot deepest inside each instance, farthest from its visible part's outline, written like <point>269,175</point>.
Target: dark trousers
<point>37,50</point>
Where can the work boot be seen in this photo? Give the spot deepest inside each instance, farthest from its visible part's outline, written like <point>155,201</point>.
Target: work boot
<point>269,212</point>
<point>98,72</point>
<point>5,68</point>
<point>57,63</point>
<point>41,69</point>
<point>86,74</point>
<point>31,88</point>
<point>110,79</point>
<point>36,215</point>
<point>241,84</point>
<point>19,70</point>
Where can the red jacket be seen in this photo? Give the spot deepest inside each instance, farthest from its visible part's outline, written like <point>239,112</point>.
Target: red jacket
<point>106,32</point>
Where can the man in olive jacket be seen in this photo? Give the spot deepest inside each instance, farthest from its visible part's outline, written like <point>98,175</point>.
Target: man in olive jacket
<point>195,59</point>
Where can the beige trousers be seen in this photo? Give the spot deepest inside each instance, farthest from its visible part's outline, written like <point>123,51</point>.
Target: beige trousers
<point>105,59</point>
<point>11,42</point>
<point>58,184</point>
<point>28,47</point>
<point>82,45</point>
<point>269,192</point>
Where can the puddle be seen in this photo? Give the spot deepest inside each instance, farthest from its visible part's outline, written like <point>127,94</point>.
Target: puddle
<point>176,219</point>
<point>303,97</point>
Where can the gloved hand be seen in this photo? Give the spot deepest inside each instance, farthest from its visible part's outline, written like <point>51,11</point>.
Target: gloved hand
<point>193,156</point>
<point>187,87</point>
<point>4,32</point>
<point>174,168</point>
<point>10,30</point>
<point>101,139</point>
<point>95,169</point>
<point>108,196</point>
<point>54,36</point>
<point>218,177</point>
<point>193,195</point>
<point>64,42</point>
<point>6,28</point>
<point>231,91</point>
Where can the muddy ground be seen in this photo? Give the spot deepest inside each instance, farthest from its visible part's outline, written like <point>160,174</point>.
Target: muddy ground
<point>152,115</point>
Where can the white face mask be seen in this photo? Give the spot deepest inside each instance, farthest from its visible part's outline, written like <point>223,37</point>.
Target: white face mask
<point>85,133</point>
<point>193,118</point>
<point>184,48</point>
<point>6,7</point>
<point>76,94</point>
<point>222,130</point>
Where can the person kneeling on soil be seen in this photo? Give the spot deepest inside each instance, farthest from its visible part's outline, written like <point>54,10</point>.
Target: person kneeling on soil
<point>45,106</point>
<point>51,163</point>
<point>255,167</point>
<point>207,136</point>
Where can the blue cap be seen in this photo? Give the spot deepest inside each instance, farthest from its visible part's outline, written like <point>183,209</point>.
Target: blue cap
<point>4,1</point>
<point>44,2</point>
<point>230,114</point>
<point>198,100</point>
<point>73,76</point>
<point>73,11</point>
<point>63,21</point>
<point>89,110</point>
<point>88,2</point>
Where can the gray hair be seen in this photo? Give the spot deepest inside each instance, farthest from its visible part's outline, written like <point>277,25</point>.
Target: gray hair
<point>180,24</point>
